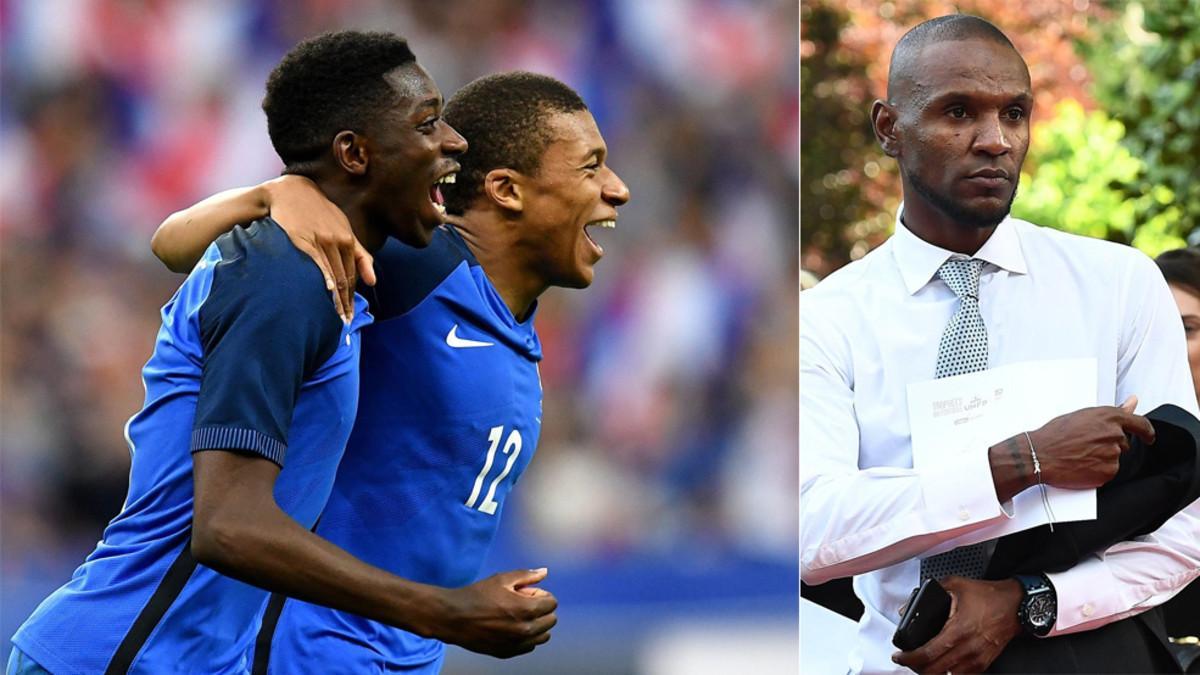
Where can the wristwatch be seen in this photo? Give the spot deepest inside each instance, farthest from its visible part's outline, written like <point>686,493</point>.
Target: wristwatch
<point>1039,606</point>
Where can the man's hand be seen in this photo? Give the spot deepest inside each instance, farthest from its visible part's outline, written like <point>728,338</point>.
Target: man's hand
<point>319,228</point>
<point>503,615</point>
<point>1082,449</point>
<point>1077,451</point>
<point>983,620</point>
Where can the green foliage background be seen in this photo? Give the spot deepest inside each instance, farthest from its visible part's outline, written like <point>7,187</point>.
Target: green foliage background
<point>1084,184</point>
<point>1147,74</point>
<point>1127,173</point>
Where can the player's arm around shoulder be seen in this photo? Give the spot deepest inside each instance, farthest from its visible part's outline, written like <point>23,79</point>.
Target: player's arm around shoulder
<point>314,224</point>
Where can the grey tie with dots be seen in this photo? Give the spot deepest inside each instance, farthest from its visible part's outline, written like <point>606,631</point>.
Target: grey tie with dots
<point>963,349</point>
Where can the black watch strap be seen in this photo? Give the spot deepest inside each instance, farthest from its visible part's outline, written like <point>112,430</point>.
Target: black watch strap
<point>1038,610</point>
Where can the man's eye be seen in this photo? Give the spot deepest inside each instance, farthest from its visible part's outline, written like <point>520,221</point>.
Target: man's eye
<point>1014,114</point>
<point>429,123</point>
<point>957,112</point>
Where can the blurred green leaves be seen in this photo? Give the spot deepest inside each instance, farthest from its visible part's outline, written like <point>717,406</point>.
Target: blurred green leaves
<point>1081,183</point>
<point>1146,73</point>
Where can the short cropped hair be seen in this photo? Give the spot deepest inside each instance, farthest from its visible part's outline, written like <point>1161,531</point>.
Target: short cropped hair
<point>1181,268</point>
<point>328,84</point>
<point>504,119</point>
<point>949,28</point>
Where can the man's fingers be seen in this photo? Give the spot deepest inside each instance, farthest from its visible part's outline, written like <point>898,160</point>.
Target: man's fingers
<point>318,257</point>
<point>509,652</point>
<point>334,257</point>
<point>1138,426</point>
<point>931,651</point>
<point>518,578</point>
<point>952,660</point>
<point>528,645</point>
<point>539,639</point>
<point>543,624</point>
<point>348,264</point>
<point>543,605</point>
<point>365,263</point>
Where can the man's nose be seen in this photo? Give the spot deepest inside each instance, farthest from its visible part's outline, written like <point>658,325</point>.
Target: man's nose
<point>992,138</point>
<point>453,143</point>
<point>615,191</point>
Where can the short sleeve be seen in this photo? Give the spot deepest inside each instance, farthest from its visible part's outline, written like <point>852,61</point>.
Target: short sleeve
<point>267,325</point>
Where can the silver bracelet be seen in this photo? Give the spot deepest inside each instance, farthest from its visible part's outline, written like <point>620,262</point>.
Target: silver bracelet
<point>1037,472</point>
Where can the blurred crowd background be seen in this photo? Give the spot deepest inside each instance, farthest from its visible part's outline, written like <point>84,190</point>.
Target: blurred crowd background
<point>663,495</point>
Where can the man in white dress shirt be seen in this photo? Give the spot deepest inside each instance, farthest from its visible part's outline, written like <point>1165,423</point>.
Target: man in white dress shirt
<point>961,286</point>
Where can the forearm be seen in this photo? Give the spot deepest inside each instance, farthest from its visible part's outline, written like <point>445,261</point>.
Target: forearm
<point>1012,467</point>
<point>857,517</point>
<point>868,519</point>
<point>182,238</point>
<point>1130,577</point>
<point>274,552</point>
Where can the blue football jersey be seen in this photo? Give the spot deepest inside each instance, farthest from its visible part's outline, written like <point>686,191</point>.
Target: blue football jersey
<point>251,357</point>
<point>449,418</point>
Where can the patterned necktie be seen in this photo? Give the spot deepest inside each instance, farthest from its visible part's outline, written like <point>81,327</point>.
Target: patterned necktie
<point>963,349</point>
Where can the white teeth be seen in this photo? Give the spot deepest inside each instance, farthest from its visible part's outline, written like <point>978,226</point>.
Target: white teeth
<point>448,179</point>
<point>610,224</point>
<point>440,208</point>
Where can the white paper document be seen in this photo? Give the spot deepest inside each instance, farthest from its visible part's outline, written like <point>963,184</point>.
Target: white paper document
<point>972,412</point>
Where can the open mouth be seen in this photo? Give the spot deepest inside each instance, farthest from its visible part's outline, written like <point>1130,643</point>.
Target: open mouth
<point>435,191</point>
<point>610,224</point>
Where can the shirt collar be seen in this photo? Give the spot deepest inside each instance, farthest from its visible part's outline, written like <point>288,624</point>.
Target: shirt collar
<point>919,260</point>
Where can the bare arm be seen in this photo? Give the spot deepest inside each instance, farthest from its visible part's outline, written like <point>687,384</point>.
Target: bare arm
<point>1076,451</point>
<point>314,225</point>
<point>239,531</point>
<point>180,241</point>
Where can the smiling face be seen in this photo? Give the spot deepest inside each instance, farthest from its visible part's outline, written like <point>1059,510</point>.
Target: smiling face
<point>571,191</point>
<point>412,150</point>
<point>960,131</point>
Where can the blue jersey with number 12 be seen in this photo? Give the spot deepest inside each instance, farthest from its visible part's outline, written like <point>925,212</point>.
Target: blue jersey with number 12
<point>448,418</point>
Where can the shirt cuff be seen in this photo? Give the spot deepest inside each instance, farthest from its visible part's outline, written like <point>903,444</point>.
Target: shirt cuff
<point>234,438</point>
<point>1084,594</point>
<point>961,492</point>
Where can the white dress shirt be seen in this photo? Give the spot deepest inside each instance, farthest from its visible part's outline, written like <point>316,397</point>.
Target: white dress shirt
<point>873,327</point>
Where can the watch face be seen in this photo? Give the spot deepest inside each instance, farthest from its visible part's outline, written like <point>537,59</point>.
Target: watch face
<point>1041,610</point>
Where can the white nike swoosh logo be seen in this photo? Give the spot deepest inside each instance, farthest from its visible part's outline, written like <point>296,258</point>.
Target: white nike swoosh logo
<point>453,340</point>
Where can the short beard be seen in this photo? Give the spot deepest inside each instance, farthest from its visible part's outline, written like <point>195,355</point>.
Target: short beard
<point>959,213</point>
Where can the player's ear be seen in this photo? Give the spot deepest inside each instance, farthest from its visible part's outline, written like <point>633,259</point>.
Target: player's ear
<point>504,188</point>
<point>350,152</point>
<point>883,123</point>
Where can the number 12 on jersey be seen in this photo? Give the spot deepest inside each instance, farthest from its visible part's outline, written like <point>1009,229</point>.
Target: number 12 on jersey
<point>512,448</point>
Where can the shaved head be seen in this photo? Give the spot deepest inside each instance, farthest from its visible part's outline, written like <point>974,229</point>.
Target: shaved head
<point>957,123</point>
<point>902,80</point>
